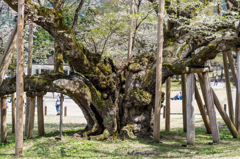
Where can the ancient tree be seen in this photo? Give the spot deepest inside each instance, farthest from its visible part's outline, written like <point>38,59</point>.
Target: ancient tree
<point>109,103</point>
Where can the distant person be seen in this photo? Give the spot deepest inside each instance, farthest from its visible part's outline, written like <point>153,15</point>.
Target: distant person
<point>58,102</point>
<point>216,80</point>
<point>177,96</point>
<point>52,94</point>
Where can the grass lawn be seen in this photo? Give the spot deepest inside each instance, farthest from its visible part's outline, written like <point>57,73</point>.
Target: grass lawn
<point>76,147</point>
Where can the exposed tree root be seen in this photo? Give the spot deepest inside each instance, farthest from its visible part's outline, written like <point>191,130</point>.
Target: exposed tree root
<point>102,136</point>
<point>127,132</point>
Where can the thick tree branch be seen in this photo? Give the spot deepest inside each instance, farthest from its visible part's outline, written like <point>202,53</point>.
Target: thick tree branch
<point>57,4</point>
<point>77,14</point>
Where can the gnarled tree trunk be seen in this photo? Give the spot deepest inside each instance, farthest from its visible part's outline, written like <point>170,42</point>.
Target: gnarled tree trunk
<point>98,86</point>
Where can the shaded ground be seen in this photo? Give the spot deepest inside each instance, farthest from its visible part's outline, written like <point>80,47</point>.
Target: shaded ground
<point>48,147</point>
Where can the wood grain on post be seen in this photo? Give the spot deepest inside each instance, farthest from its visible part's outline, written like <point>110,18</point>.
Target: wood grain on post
<point>27,112</point>
<point>9,44</point>
<point>20,82</point>
<point>6,62</point>
<point>184,101</point>
<point>61,114</point>
<point>45,110</point>
<point>164,111</point>
<point>65,111</point>
<point>190,110</point>
<point>225,117</point>
<point>3,120</point>
<point>13,106</point>
<point>168,100</point>
<point>29,73</point>
<point>211,109</point>
<point>202,110</point>
<point>238,109</point>
<point>31,118</point>
<point>235,78</point>
<point>40,113</point>
<point>157,110</point>
<point>222,112</point>
<point>203,88</point>
<point>228,87</point>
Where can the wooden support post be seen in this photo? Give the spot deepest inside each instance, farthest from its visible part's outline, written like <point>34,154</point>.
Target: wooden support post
<point>29,73</point>
<point>228,87</point>
<point>184,101</point>
<point>235,78</point>
<point>31,118</point>
<point>40,113</point>
<point>225,108</point>
<point>168,96</point>
<point>13,106</point>
<point>61,114</point>
<point>238,109</point>
<point>202,110</point>
<point>19,80</point>
<point>65,111</point>
<point>45,110</point>
<point>211,109</point>
<point>222,112</point>
<point>27,112</point>
<point>164,111</point>
<point>225,117</point>
<point>9,43</point>
<point>3,120</point>
<point>157,110</point>
<point>190,110</point>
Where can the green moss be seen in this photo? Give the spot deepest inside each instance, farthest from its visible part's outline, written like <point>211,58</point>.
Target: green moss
<point>181,50</point>
<point>141,97</point>
<point>135,67</point>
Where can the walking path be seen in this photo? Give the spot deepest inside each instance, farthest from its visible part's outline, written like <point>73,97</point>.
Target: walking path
<point>176,105</point>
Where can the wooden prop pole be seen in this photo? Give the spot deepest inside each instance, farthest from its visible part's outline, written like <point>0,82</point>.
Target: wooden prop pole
<point>223,114</point>
<point>238,109</point>
<point>20,82</point>
<point>235,78</point>
<point>211,109</point>
<point>225,117</point>
<point>168,96</point>
<point>61,114</point>
<point>228,87</point>
<point>184,101</point>
<point>40,113</point>
<point>157,110</point>
<point>6,62</point>
<point>3,120</point>
<point>202,110</point>
<point>13,106</point>
<point>27,113</point>
<point>190,110</point>
<point>31,116</point>
<point>9,43</point>
<point>29,73</point>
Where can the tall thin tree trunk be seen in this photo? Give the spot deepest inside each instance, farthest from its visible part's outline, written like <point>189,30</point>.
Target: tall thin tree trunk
<point>156,130</point>
<point>130,31</point>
